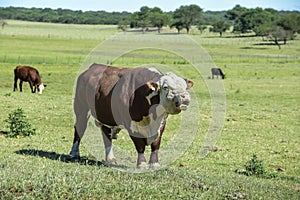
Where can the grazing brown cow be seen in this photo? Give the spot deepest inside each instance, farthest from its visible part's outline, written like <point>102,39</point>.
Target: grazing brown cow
<point>30,75</point>
<point>138,100</point>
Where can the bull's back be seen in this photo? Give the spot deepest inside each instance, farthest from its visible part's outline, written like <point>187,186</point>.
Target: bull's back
<point>97,80</point>
<point>215,71</point>
<point>27,73</point>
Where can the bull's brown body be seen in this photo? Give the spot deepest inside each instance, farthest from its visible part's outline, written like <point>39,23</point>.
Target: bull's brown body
<point>30,75</point>
<point>122,98</point>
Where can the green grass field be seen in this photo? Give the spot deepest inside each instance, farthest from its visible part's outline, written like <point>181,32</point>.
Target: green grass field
<point>262,118</point>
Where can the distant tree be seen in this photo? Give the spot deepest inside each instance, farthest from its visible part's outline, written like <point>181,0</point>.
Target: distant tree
<point>123,25</point>
<point>3,23</point>
<point>201,27</point>
<point>149,17</point>
<point>219,27</point>
<point>211,17</point>
<point>141,19</point>
<point>157,18</point>
<point>235,16</point>
<point>277,34</point>
<point>177,25</point>
<point>185,16</point>
<point>63,15</point>
<point>291,23</point>
<point>255,20</point>
<point>235,13</point>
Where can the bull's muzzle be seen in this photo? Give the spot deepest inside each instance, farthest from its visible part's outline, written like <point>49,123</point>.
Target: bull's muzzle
<point>182,101</point>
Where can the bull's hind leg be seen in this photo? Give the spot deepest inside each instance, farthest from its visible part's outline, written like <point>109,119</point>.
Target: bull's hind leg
<point>82,117</point>
<point>15,83</point>
<point>109,155</point>
<point>20,85</point>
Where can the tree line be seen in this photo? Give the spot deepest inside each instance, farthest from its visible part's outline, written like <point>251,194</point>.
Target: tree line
<point>269,23</point>
<point>88,17</point>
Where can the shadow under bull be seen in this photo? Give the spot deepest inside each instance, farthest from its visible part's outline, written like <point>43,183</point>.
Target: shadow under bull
<point>59,157</point>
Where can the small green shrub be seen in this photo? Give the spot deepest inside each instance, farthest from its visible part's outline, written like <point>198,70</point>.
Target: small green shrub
<point>18,124</point>
<point>255,167</point>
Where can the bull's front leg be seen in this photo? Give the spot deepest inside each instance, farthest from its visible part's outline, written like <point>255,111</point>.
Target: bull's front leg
<point>155,147</point>
<point>154,153</point>
<point>109,155</point>
<point>31,87</point>
<point>140,144</point>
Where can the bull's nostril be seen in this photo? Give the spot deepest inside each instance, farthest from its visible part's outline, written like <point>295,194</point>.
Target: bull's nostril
<point>176,101</point>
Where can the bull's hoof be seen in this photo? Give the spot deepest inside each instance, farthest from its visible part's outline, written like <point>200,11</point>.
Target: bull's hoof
<point>74,156</point>
<point>110,162</point>
<point>154,165</point>
<point>142,165</point>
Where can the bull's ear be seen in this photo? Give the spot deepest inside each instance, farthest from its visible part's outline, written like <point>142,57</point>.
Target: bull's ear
<point>189,84</point>
<point>153,86</point>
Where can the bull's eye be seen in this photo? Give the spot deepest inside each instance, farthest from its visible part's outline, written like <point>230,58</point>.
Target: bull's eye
<point>165,87</point>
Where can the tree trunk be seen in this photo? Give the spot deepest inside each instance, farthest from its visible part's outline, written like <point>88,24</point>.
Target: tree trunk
<point>276,42</point>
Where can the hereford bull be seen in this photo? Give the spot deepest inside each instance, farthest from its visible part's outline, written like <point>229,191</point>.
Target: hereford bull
<point>138,100</point>
<point>30,75</point>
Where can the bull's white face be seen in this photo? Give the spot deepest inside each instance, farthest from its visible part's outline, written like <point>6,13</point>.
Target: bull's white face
<point>41,88</point>
<point>173,93</point>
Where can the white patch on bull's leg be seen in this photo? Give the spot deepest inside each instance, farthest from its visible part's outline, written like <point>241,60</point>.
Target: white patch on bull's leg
<point>143,165</point>
<point>109,155</point>
<point>154,165</point>
<point>141,161</point>
<point>75,150</point>
<point>110,158</point>
<point>153,162</point>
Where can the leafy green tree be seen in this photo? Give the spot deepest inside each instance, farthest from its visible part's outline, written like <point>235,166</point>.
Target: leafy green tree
<point>201,27</point>
<point>255,20</point>
<point>220,27</point>
<point>140,19</point>
<point>149,17</point>
<point>157,18</point>
<point>178,26</point>
<point>123,25</point>
<point>290,23</point>
<point>186,16</point>
<point>235,15</point>
<point>3,23</point>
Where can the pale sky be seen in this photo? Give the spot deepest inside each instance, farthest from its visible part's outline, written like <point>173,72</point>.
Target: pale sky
<point>165,5</point>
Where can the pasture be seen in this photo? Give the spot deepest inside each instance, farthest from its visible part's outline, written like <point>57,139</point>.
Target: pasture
<point>262,118</point>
